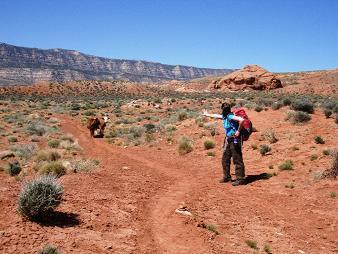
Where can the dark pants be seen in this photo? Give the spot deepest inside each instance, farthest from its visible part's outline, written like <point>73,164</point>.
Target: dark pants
<point>235,151</point>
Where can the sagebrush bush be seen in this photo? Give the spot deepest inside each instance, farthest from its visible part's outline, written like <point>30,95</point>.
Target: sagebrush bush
<point>327,113</point>
<point>24,151</point>
<point>297,117</point>
<point>12,139</point>
<point>39,197</point>
<point>287,101</point>
<point>182,115</point>
<point>13,168</point>
<point>303,105</point>
<point>209,144</point>
<point>258,108</point>
<point>185,145</point>
<point>264,149</point>
<point>319,140</point>
<point>48,156</point>
<point>286,165</point>
<point>55,143</point>
<point>269,135</point>
<point>48,249</point>
<point>37,128</point>
<point>52,168</point>
<point>277,105</point>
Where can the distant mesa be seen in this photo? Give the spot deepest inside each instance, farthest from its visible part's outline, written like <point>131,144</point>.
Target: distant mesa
<point>26,66</point>
<point>251,77</point>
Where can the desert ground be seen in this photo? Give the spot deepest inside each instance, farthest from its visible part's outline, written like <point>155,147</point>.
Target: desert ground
<point>151,185</point>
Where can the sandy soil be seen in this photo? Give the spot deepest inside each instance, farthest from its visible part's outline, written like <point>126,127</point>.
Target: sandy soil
<point>128,204</point>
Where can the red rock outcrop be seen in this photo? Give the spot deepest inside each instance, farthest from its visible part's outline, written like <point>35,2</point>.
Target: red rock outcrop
<point>251,77</point>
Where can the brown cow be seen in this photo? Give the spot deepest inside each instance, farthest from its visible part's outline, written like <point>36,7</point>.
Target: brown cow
<point>94,124</point>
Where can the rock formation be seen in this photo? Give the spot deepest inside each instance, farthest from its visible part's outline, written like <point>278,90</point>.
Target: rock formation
<point>251,77</point>
<point>20,65</point>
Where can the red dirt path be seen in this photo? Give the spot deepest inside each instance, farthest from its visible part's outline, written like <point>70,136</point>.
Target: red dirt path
<point>128,206</point>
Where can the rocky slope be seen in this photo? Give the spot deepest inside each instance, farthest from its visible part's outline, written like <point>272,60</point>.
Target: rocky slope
<point>20,65</point>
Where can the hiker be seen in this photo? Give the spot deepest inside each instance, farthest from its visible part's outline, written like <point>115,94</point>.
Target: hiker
<point>233,141</point>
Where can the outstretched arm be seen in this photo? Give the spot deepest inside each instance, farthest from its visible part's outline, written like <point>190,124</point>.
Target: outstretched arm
<point>217,116</point>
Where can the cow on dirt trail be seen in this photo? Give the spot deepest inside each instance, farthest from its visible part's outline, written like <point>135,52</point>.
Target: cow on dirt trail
<point>97,125</point>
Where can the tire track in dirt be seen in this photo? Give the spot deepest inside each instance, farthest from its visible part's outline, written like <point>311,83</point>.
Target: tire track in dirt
<point>160,229</point>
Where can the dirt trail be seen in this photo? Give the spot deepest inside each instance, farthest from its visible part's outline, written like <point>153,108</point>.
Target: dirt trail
<point>162,230</point>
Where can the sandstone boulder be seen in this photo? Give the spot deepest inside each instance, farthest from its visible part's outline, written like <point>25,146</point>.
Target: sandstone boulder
<point>251,77</point>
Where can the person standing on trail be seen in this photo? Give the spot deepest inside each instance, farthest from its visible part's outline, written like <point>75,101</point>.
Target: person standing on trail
<point>233,144</point>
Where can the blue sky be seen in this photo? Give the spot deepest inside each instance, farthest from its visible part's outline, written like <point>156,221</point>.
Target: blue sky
<point>280,35</point>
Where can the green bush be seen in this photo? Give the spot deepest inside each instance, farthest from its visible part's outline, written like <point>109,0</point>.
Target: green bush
<point>12,139</point>
<point>48,249</point>
<point>287,101</point>
<point>13,168</point>
<point>319,140</point>
<point>258,108</point>
<point>182,115</point>
<point>39,197</point>
<point>327,113</point>
<point>89,113</point>
<point>209,144</point>
<point>264,149</point>
<point>252,244</point>
<point>211,153</point>
<point>254,146</point>
<point>277,105</point>
<point>55,143</point>
<point>297,117</point>
<point>150,128</point>
<point>185,145</point>
<point>52,168</point>
<point>302,105</point>
<point>37,128</point>
<point>286,165</point>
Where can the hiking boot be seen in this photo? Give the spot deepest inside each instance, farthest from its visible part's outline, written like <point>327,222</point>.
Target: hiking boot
<point>225,180</point>
<point>238,182</point>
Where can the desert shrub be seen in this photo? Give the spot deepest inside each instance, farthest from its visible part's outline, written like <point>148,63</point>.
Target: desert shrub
<point>277,105</point>
<point>170,128</point>
<point>185,145</point>
<point>313,157</point>
<point>55,143</point>
<point>332,171</point>
<point>333,194</point>
<point>12,139</point>
<point>302,105</point>
<point>258,108</point>
<point>37,128</point>
<point>264,149</point>
<point>267,248</point>
<point>75,106</point>
<point>209,144</point>
<point>286,165</point>
<point>297,117</point>
<point>149,128</point>
<point>89,113</point>
<point>48,249</point>
<point>212,127</point>
<point>68,137</point>
<point>327,113</point>
<point>182,115</point>
<point>254,146</point>
<point>252,244</point>
<point>47,156</point>
<point>13,168</point>
<point>137,131</point>
<point>286,101</point>
<point>319,140</point>
<point>83,165</point>
<point>52,168</point>
<point>39,197</point>
<point>290,185</point>
<point>269,135</point>
<point>211,153</point>
<point>326,152</point>
<point>24,151</point>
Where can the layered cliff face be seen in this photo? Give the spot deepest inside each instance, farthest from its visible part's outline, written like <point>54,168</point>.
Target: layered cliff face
<point>20,65</point>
